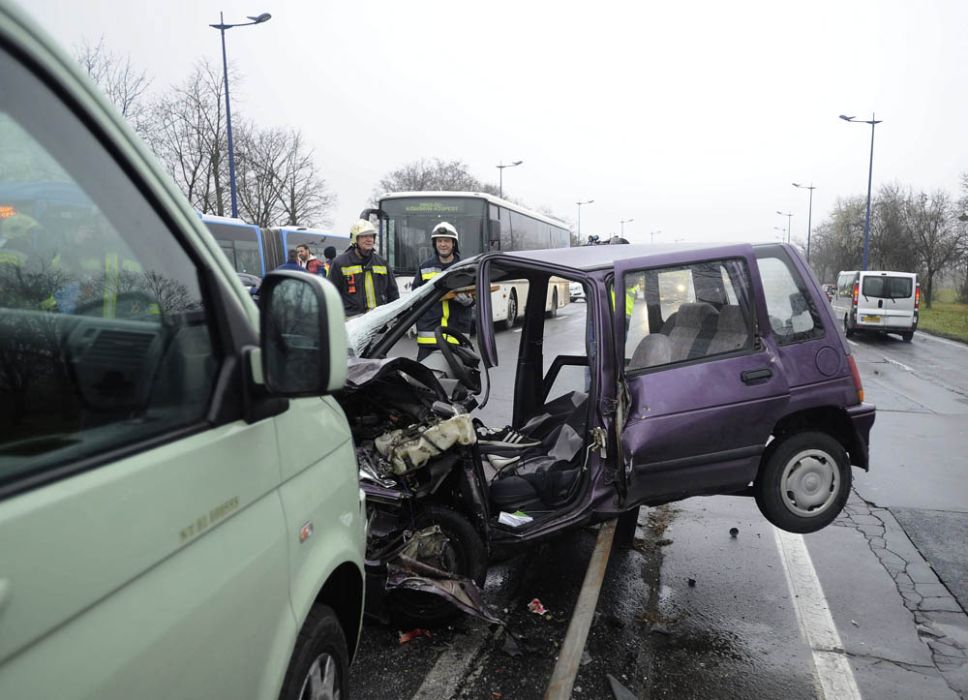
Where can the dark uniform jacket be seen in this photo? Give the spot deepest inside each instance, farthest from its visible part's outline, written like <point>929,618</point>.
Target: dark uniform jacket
<point>449,313</point>
<point>363,283</point>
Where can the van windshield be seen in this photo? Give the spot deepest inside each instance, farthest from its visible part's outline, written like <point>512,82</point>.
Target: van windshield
<point>885,287</point>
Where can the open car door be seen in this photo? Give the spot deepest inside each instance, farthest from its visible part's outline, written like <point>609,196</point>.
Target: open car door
<point>487,347</point>
<point>698,386</point>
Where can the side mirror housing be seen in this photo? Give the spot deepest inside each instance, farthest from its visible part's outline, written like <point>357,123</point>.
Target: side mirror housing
<point>303,335</point>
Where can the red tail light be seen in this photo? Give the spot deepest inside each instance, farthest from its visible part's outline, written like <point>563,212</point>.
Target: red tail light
<point>856,292</point>
<point>855,374</point>
<point>917,297</point>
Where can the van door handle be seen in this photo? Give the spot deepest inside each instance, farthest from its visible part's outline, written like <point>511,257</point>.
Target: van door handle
<point>756,375</point>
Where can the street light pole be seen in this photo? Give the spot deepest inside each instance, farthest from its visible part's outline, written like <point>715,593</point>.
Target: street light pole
<point>809,213</point>
<point>789,216</point>
<point>500,168</point>
<point>870,176</point>
<point>587,201</point>
<point>622,224</point>
<point>222,26</point>
<point>652,237</point>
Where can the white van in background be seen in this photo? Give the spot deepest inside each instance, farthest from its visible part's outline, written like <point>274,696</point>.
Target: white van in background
<point>878,300</point>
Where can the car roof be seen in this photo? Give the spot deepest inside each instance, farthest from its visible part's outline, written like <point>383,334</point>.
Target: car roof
<point>598,257</point>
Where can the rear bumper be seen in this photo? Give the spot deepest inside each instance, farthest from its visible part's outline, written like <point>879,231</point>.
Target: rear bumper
<point>862,419</point>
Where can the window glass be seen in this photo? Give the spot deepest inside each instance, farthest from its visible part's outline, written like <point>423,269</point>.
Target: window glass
<point>412,220</point>
<point>686,313</point>
<point>793,316</point>
<point>886,287</point>
<point>103,332</point>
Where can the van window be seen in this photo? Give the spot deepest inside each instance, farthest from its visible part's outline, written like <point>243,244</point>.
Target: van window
<point>887,287</point>
<point>104,339</point>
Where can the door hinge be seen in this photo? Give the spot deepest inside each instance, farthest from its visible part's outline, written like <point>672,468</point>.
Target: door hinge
<point>600,441</point>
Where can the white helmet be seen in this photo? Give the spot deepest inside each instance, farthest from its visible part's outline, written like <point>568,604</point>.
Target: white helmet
<point>444,230</point>
<point>361,228</point>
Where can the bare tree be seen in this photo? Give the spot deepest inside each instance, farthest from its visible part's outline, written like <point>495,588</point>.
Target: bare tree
<point>891,245</point>
<point>123,84</point>
<point>432,174</point>
<point>930,221</point>
<point>303,195</point>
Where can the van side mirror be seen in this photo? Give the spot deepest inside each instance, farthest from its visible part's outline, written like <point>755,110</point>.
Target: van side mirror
<point>303,335</point>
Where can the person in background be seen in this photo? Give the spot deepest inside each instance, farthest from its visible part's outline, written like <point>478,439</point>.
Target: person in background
<point>452,311</point>
<point>362,277</point>
<point>292,262</point>
<point>329,253</point>
<point>310,262</point>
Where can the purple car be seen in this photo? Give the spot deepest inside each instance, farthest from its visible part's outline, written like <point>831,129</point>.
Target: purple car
<point>701,370</point>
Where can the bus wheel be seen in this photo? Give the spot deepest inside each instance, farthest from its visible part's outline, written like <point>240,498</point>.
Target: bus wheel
<point>512,313</point>
<point>553,311</point>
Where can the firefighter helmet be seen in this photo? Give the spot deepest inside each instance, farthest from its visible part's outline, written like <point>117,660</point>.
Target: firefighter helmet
<point>361,228</point>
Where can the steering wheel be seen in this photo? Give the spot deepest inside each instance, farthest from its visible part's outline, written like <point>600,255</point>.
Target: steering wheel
<point>457,364</point>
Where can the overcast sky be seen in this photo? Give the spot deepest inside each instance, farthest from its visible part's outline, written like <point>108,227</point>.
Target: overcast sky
<point>692,118</point>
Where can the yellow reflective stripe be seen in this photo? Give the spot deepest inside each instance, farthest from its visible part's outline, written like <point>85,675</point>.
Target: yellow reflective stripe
<point>352,270</point>
<point>370,291</point>
<point>426,341</point>
<point>111,284</point>
<point>428,275</point>
<point>379,269</point>
<point>430,338</point>
<point>446,305</point>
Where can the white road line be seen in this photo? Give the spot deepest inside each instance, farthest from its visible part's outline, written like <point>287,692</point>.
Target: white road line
<point>451,667</point>
<point>943,341</point>
<point>816,624</point>
<point>899,364</point>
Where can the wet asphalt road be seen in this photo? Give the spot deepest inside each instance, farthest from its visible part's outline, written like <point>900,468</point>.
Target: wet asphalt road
<point>693,612</point>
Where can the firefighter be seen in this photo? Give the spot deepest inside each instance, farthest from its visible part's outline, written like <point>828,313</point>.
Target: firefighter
<point>362,277</point>
<point>452,311</point>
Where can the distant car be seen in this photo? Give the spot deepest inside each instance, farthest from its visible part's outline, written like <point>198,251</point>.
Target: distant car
<point>829,290</point>
<point>576,291</point>
<point>250,282</point>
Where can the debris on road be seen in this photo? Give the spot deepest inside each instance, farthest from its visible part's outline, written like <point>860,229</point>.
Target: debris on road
<point>586,658</point>
<point>511,646</point>
<point>692,583</point>
<point>733,532</point>
<point>413,634</point>
<point>663,543</point>
<point>619,691</point>
<point>536,607</point>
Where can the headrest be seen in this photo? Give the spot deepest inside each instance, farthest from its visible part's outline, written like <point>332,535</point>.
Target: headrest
<point>692,315</point>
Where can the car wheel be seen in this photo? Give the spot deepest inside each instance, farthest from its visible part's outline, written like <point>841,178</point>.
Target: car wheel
<point>848,331</point>
<point>512,311</point>
<point>553,311</point>
<point>463,555</point>
<point>907,336</point>
<point>319,664</point>
<point>803,482</point>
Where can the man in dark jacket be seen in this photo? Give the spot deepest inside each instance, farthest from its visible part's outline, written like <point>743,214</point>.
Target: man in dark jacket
<point>292,263</point>
<point>452,311</point>
<point>363,278</point>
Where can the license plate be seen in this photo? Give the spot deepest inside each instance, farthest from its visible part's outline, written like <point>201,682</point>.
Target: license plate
<point>870,319</point>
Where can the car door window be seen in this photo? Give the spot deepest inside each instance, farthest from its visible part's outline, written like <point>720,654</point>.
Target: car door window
<point>104,336</point>
<point>793,315</point>
<point>686,313</point>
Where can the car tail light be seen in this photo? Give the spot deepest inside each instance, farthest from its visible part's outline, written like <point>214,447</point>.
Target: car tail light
<point>855,374</point>
<point>856,292</point>
<point>917,297</point>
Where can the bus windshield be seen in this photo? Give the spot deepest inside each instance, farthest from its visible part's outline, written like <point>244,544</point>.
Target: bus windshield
<point>407,237</point>
<point>240,245</point>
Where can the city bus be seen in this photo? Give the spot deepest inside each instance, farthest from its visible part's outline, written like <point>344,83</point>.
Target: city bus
<point>484,223</point>
<point>255,251</point>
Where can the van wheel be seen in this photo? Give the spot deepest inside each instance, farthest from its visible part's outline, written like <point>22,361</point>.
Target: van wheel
<point>462,554</point>
<point>319,664</point>
<point>907,336</point>
<point>512,311</point>
<point>804,482</point>
<point>848,331</point>
<point>553,311</point>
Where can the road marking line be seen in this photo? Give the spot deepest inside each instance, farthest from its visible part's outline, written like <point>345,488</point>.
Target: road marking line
<point>451,668</point>
<point>816,624</point>
<point>899,364</point>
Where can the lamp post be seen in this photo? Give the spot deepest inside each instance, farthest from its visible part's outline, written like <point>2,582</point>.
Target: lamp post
<point>809,213</point>
<point>780,236</point>
<point>870,174</point>
<point>500,168</point>
<point>622,224</point>
<point>652,235</point>
<point>222,26</point>
<point>789,216</point>
<point>587,201</point>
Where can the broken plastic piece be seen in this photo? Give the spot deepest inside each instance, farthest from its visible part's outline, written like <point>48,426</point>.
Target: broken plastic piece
<point>514,519</point>
<point>692,583</point>
<point>536,607</point>
<point>413,634</point>
<point>511,646</point>
<point>733,531</point>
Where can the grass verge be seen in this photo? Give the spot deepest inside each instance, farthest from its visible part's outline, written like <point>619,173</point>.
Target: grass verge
<point>949,320</point>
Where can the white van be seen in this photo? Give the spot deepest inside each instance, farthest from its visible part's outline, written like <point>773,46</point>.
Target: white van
<point>882,301</point>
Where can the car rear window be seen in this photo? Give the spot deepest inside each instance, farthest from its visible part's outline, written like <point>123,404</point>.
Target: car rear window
<point>884,287</point>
